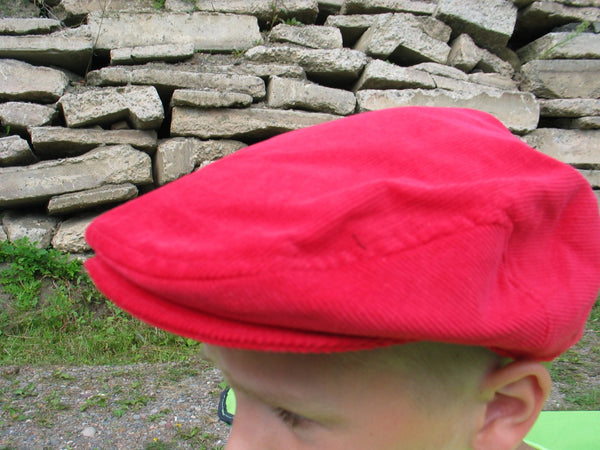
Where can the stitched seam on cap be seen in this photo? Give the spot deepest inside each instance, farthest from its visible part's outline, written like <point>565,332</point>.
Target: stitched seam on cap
<point>357,258</point>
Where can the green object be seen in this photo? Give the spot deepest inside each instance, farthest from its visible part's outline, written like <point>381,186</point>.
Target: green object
<point>226,409</point>
<point>230,402</point>
<point>566,430</point>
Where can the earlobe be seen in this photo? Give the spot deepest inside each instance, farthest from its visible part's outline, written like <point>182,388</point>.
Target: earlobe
<point>514,396</point>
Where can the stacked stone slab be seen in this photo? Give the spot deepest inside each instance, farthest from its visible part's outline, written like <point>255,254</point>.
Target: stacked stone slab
<point>100,104</point>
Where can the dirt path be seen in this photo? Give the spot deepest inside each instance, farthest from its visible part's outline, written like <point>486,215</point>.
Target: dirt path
<point>142,406</point>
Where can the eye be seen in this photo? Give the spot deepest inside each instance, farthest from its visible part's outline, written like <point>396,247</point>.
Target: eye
<point>289,418</point>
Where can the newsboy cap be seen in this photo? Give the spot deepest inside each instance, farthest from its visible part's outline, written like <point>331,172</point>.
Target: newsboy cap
<point>387,227</point>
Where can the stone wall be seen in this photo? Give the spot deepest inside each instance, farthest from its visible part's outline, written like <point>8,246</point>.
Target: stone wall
<point>105,100</point>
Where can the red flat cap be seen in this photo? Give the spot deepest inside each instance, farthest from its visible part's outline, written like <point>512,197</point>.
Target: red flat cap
<point>387,227</point>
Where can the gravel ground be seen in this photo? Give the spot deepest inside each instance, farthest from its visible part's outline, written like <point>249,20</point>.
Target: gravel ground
<point>141,406</point>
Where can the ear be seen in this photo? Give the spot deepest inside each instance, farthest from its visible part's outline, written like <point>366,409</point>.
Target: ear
<point>514,396</point>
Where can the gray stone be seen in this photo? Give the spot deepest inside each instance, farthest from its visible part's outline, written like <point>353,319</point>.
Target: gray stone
<point>421,7</point>
<point>92,198</point>
<point>330,7</point>
<point>75,12</point>
<point>337,65</point>
<point>490,62</point>
<point>403,38</point>
<point>467,56</point>
<point>267,11</point>
<point>464,53</point>
<point>264,71</point>
<point>69,49</point>
<point>562,78</point>
<point>207,32</point>
<point>22,81</point>
<point>88,432</point>
<point>518,111</point>
<point>568,146</point>
<point>580,107</point>
<point>15,151</point>
<point>441,70</point>
<point>382,75</point>
<point>295,94</point>
<point>18,26</point>
<point>174,158</point>
<point>351,27</point>
<point>17,8</point>
<point>20,115</point>
<point>144,54</point>
<point>252,123</point>
<point>140,105</point>
<point>494,80</point>
<point>543,16</point>
<point>36,227</point>
<point>177,157</point>
<point>586,123</point>
<point>70,238</point>
<point>597,193</point>
<point>510,56</point>
<point>3,236</point>
<point>435,28</point>
<point>167,79</point>
<point>209,151</point>
<point>490,23</point>
<point>464,87</point>
<point>60,142</point>
<point>312,36</point>
<point>593,177</point>
<point>562,46</point>
<point>210,99</point>
<point>35,184</point>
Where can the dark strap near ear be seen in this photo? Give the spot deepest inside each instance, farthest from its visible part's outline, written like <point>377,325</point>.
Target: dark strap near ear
<point>224,414</point>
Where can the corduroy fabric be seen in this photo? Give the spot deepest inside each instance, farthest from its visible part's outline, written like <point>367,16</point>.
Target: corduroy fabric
<point>386,227</point>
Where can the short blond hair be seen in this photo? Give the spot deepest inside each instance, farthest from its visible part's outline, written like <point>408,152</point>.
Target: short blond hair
<point>436,372</point>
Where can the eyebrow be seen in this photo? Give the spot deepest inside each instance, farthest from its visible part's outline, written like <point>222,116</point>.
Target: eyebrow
<point>323,413</point>
<point>273,399</point>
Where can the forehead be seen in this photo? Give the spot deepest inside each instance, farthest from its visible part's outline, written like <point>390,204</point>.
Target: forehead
<point>297,374</point>
<point>292,366</point>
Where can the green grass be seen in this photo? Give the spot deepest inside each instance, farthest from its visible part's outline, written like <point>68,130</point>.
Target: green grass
<point>47,301</point>
<point>574,371</point>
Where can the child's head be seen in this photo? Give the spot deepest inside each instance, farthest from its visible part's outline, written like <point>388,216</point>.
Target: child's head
<point>365,239</point>
<point>414,396</point>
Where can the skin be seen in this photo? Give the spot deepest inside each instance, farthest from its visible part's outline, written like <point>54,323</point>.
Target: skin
<point>330,402</point>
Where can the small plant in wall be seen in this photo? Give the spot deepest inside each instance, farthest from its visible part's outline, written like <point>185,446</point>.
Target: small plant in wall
<point>238,53</point>
<point>581,28</point>
<point>276,10</point>
<point>293,22</point>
